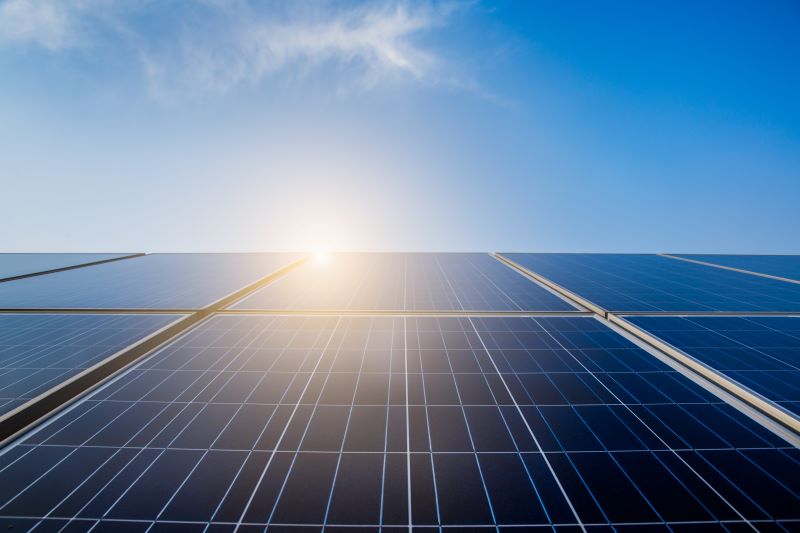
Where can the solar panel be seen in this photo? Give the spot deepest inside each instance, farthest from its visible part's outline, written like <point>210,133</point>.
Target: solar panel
<point>391,422</point>
<point>168,281</point>
<point>417,282</point>
<point>38,352</point>
<point>652,283</point>
<point>784,266</point>
<point>12,265</point>
<point>761,353</point>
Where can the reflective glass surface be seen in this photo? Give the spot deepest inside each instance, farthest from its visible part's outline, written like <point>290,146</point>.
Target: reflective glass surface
<point>784,266</point>
<point>384,422</point>
<point>38,352</point>
<point>642,282</point>
<point>436,281</point>
<point>20,264</point>
<point>167,281</point>
<point>761,353</point>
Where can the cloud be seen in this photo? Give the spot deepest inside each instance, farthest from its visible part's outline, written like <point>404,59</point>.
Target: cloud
<point>206,46</point>
<point>48,23</point>
<point>364,46</point>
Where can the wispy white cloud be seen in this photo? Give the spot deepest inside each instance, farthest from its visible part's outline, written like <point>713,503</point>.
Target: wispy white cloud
<point>364,46</point>
<point>214,46</point>
<point>47,23</point>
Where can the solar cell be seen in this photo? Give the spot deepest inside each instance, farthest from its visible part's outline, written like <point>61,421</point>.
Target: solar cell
<point>784,266</point>
<point>761,353</point>
<point>38,352</point>
<point>167,281</point>
<point>12,265</point>
<point>367,422</point>
<point>652,283</point>
<point>417,282</point>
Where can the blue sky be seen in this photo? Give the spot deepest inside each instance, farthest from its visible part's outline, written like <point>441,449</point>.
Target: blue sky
<point>526,126</point>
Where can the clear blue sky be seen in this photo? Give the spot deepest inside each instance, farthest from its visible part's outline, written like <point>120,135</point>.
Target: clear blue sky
<point>535,126</point>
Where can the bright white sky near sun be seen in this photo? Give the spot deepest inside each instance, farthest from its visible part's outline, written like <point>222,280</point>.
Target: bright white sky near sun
<point>196,125</point>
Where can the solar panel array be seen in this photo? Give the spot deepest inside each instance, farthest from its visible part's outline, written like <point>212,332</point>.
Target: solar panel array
<point>652,283</point>
<point>40,351</point>
<point>761,353</point>
<point>328,421</point>
<point>405,281</point>
<point>405,392</point>
<point>166,281</point>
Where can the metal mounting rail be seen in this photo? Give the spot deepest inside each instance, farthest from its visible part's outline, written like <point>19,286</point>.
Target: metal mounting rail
<point>400,313</point>
<point>569,295</point>
<point>722,383</point>
<point>756,401</point>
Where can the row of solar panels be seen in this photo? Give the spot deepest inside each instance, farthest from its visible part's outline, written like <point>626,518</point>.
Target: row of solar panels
<point>760,353</point>
<point>475,282</point>
<point>628,283</point>
<point>386,421</point>
<point>369,422</point>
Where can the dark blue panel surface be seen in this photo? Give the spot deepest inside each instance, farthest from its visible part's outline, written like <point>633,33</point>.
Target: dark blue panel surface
<point>784,266</point>
<point>38,352</point>
<point>391,422</point>
<point>436,281</point>
<point>166,281</point>
<point>761,353</point>
<point>642,282</point>
<point>20,264</point>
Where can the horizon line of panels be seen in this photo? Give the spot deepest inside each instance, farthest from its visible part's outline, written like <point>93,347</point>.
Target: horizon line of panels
<point>648,283</point>
<point>41,351</point>
<point>761,353</point>
<point>357,281</point>
<point>617,282</point>
<point>310,422</point>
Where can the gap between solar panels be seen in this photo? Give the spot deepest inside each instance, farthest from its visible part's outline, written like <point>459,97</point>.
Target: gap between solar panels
<point>687,363</point>
<point>760,417</point>
<point>15,422</point>
<point>754,400</point>
<point>399,313</point>
<point>734,269</point>
<point>94,311</point>
<point>282,312</point>
<point>706,313</point>
<point>564,293</point>
<point>71,267</point>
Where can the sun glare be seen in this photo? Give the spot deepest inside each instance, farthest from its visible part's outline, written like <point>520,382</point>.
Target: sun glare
<point>320,255</point>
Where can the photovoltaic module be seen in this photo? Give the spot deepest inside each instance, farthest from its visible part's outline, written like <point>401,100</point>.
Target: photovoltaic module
<point>398,392</point>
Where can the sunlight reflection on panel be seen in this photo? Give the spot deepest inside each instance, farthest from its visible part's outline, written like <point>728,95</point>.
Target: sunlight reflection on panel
<point>404,281</point>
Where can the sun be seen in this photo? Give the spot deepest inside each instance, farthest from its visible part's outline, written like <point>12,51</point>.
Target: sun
<point>320,254</point>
